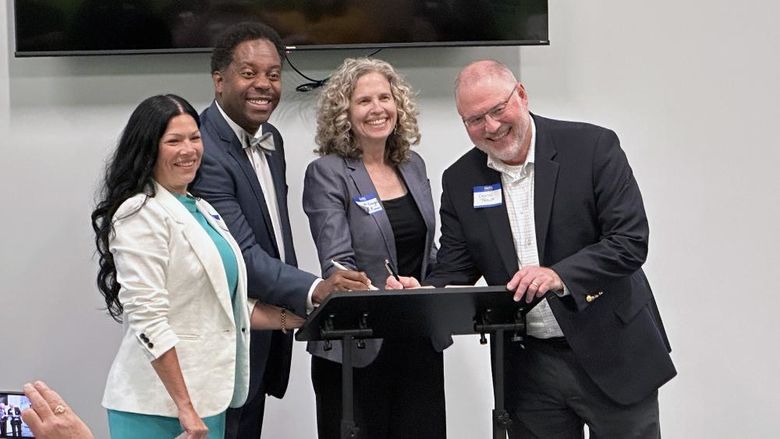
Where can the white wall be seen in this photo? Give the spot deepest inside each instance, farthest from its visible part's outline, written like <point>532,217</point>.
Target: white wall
<point>690,87</point>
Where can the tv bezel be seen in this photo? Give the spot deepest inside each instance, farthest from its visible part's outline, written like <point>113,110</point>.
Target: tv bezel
<point>293,48</point>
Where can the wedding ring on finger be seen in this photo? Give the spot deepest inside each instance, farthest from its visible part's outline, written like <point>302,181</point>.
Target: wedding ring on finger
<point>60,409</point>
<point>536,285</point>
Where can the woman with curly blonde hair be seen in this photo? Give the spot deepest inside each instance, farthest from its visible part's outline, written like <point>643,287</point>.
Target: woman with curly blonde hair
<point>334,129</point>
<point>368,200</point>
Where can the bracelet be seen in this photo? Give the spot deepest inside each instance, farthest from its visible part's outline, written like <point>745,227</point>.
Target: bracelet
<point>283,320</point>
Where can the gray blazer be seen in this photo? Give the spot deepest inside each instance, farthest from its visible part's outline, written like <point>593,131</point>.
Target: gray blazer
<point>344,231</point>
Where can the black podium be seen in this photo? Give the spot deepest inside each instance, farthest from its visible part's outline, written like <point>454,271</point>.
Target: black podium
<point>429,312</point>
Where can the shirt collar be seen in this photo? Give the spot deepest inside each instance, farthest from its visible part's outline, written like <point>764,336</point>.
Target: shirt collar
<point>517,172</point>
<point>241,133</point>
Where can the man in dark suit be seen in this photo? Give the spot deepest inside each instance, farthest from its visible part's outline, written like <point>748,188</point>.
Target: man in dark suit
<point>549,206</point>
<point>243,176</point>
<point>16,421</point>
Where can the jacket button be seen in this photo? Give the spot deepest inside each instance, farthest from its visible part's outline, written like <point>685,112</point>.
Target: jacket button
<point>144,338</point>
<point>591,297</point>
<point>150,345</point>
<point>243,329</point>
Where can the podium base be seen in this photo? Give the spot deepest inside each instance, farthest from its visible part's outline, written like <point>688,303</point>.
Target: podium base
<point>349,430</point>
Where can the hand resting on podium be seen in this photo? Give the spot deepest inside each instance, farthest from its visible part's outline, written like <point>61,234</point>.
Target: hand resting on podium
<point>530,281</point>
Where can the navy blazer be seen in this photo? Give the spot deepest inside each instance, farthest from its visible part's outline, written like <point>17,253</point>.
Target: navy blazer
<point>345,232</point>
<point>592,230</point>
<point>227,180</point>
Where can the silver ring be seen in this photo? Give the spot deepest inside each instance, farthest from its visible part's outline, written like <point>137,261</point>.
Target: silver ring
<point>535,284</point>
<point>60,409</point>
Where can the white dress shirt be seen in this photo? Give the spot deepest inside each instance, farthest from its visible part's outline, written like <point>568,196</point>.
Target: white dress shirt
<point>518,184</point>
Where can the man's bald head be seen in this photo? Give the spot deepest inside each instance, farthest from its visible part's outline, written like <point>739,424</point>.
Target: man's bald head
<point>484,70</point>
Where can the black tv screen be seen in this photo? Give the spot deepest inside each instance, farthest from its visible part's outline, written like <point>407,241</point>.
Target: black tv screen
<point>97,27</point>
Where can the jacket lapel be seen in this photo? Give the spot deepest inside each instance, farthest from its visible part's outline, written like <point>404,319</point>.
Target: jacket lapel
<point>276,165</point>
<point>546,177</point>
<point>417,183</point>
<point>202,245</point>
<point>216,221</point>
<point>496,218</point>
<point>233,146</point>
<point>365,186</point>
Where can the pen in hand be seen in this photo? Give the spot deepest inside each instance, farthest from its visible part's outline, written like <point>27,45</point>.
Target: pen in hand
<point>391,271</point>
<point>341,266</point>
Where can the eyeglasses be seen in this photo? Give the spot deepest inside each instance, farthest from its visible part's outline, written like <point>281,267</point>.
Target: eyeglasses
<point>479,120</point>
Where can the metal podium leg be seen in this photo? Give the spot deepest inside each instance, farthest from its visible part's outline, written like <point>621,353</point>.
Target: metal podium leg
<point>501,419</point>
<point>348,428</point>
<point>500,416</point>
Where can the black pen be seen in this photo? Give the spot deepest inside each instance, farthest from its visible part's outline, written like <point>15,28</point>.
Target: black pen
<point>391,271</point>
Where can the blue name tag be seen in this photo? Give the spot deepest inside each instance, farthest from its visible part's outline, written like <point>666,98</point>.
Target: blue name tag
<point>369,203</point>
<point>488,196</point>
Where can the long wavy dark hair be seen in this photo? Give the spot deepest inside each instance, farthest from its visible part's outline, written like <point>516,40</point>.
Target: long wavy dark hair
<point>129,172</point>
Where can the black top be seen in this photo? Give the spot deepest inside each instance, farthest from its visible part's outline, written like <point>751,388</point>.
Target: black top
<point>409,230</point>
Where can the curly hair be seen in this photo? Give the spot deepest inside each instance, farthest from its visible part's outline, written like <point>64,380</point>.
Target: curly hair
<point>226,42</point>
<point>128,172</point>
<point>334,131</point>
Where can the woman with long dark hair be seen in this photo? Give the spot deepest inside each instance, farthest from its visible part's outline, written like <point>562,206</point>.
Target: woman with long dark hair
<point>171,270</point>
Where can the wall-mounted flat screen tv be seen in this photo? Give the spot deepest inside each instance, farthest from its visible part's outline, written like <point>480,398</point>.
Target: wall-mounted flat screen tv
<point>100,27</point>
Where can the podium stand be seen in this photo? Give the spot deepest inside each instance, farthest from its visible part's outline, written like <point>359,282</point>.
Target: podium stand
<point>428,312</point>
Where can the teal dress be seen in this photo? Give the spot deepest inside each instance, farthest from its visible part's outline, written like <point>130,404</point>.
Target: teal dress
<point>126,425</point>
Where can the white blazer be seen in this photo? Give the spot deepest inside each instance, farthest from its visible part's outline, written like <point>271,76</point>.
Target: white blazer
<point>175,294</point>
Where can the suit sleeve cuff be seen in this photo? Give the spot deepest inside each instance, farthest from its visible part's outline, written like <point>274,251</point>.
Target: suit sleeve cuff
<point>565,292</point>
<point>156,344</point>
<point>309,303</point>
<point>250,305</point>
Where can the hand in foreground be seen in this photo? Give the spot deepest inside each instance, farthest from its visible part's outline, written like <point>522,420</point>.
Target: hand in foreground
<point>340,280</point>
<point>193,425</point>
<point>533,281</point>
<point>49,417</point>
<point>403,284</point>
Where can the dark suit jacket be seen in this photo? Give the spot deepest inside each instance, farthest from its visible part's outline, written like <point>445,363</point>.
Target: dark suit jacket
<point>592,230</point>
<point>344,232</point>
<point>228,181</point>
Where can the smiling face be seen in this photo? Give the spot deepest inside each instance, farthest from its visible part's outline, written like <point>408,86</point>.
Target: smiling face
<point>178,154</point>
<point>249,88</point>
<point>503,128</point>
<point>372,110</point>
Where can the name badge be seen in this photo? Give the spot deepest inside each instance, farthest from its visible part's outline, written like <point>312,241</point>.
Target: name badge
<point>369,203</point>
<point>487,196</point>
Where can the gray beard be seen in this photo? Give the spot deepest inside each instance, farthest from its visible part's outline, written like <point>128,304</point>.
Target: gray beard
<point>507,155</point>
